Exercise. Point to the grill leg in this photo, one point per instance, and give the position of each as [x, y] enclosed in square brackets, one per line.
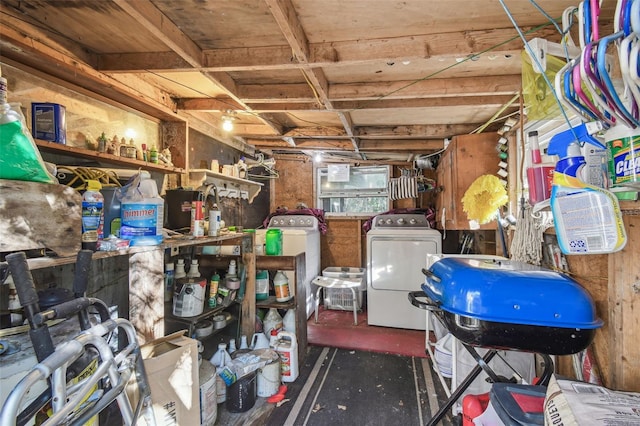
[548, 370]
[460, 389]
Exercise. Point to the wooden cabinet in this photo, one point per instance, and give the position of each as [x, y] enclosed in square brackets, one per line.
[466, 158]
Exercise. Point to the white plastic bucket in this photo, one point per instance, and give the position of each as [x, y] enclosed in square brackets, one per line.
[208, 394]
[268, 378]
[443, 355]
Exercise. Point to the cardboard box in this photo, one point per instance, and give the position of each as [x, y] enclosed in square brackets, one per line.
[48, 122]
[171, 364]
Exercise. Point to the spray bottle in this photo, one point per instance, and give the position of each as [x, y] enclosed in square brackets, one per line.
[539, 175]
[587, 218]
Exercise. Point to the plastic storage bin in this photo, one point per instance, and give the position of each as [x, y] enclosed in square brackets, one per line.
[341, 299]
[521, 405]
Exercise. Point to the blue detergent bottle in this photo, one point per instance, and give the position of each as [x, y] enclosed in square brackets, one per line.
[587, 218]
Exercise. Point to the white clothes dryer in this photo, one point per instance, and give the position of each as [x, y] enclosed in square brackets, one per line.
[397, 248]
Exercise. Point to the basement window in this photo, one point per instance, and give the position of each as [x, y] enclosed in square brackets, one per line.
[357, 190]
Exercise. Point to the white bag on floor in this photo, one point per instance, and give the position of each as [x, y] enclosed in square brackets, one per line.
[488, 418]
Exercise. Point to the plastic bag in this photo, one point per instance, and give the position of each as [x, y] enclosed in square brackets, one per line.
[139, 187]
[539, 98]
[20, 159]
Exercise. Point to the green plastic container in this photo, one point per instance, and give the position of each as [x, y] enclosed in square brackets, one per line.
[262, 285]
[273, 242]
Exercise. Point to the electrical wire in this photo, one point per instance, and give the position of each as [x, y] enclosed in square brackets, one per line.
[535, 58]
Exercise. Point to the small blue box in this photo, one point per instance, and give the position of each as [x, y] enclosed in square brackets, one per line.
[48, 122]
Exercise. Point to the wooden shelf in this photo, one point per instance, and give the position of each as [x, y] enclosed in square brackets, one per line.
[298, 302]
[198, 177]
[271, 302]
[176, 242]
[57, 148]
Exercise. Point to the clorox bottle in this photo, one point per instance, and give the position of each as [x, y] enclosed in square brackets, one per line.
[587, 218]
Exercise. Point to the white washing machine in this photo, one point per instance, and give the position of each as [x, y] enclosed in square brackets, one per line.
[397, 246]
[300, 233]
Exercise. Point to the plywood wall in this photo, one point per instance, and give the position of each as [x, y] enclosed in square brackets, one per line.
[342, 245]
[294, 185]
[613, 281]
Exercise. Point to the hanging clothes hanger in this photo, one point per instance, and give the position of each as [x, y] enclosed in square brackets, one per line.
[581, 96]
[593, 84]
[624, 114]
[564, 87]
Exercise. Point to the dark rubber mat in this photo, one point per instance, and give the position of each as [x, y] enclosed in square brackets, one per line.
[348, 387]
[367, 388]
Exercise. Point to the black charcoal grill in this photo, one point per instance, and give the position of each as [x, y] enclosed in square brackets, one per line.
[502, 304]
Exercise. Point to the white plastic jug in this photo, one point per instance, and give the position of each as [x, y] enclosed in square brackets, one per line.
[287, 348]
[271, 320]
[259, 341]
[289, 321]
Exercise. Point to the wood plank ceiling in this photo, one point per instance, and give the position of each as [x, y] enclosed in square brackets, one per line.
[358, 80]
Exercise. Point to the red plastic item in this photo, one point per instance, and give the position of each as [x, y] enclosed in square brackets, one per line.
[282, 390]
[473, 406]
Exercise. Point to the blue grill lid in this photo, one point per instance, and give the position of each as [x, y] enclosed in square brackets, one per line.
[509, 292]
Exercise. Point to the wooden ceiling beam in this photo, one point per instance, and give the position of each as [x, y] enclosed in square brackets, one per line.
[428, 88]
[209, 104]
[285, 15]
[222, 104]
[325, 144]
[402, 145]
[25, 51]
[431, 131]
[152, 19]
[399, 145]
[322, 132]
[62, 45]
[380, 133]
[436, 87]
[500, 41]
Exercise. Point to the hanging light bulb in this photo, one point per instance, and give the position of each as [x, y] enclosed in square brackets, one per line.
[227, 124]
[227, 120]
[318, 157]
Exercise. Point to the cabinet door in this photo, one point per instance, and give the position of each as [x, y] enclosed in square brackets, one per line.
[466, 158]
[446, 208]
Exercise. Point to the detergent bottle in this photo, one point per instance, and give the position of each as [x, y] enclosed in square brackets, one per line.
[587, 218]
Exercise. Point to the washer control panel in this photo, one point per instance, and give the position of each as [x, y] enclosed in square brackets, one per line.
[294, 221]
[400, 220]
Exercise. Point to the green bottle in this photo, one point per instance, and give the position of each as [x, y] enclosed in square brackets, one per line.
[153, 155]
[213, 290]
